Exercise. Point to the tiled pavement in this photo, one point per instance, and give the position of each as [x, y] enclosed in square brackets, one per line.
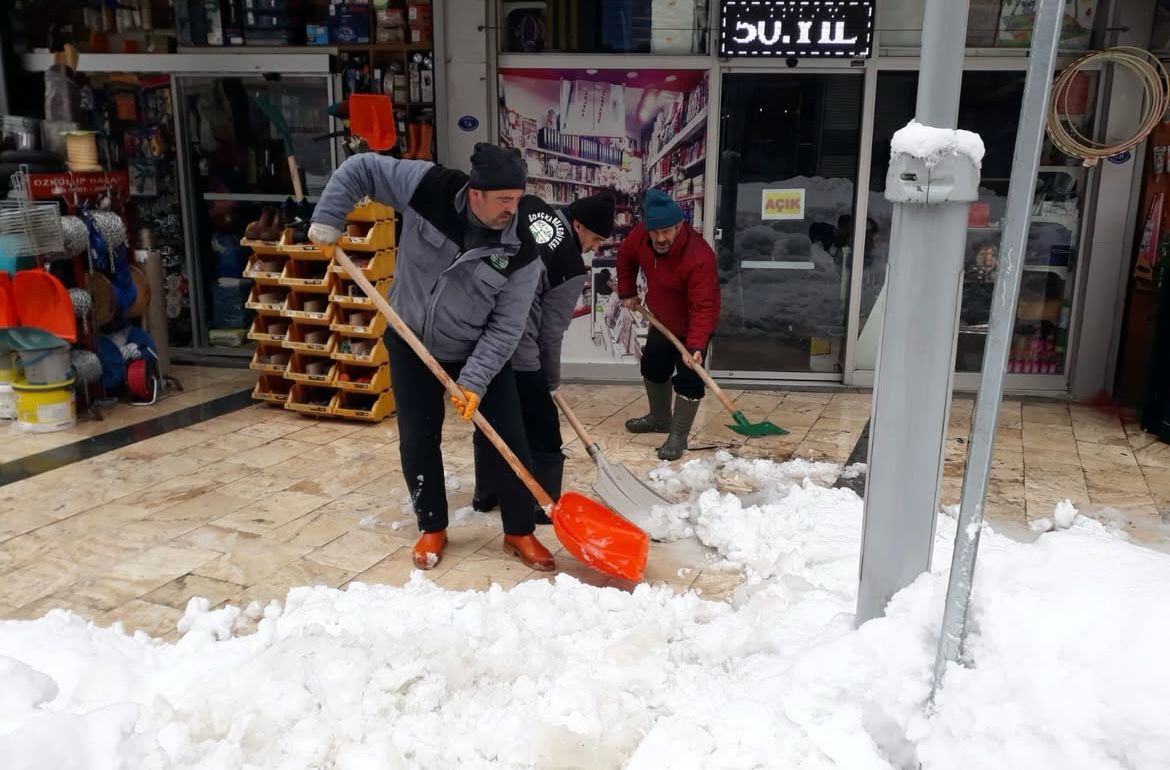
[249, 504]
[200, 385]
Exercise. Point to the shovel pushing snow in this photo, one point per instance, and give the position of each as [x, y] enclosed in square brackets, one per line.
[616, 485]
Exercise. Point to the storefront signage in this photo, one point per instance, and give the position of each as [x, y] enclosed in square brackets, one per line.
[796, 28]
[468, 123]
[82, 184]
[782, 204]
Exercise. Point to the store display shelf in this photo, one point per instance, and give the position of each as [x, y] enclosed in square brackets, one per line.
[566, 156]
[574, 182]
[1059, 270]
[253, 197]
[694, 197]
[690, 129]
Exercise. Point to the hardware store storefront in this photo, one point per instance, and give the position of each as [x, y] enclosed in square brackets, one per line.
[770, 124]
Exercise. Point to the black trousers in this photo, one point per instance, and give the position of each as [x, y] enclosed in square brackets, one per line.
[542, 426]
[421, 402]
[661, 359]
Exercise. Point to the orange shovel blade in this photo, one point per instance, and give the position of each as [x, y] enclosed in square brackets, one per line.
[371, 116]
[600, 538]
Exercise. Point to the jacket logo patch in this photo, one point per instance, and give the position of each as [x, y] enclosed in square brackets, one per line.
[499, 261]
[546, 229]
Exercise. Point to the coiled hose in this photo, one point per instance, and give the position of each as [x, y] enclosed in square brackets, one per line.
[1155, 82]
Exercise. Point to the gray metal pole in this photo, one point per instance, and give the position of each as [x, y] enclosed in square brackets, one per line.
[915, 363]
[1001, 327]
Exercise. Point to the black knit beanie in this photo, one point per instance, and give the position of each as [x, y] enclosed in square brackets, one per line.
[497, 168]
[595, 213]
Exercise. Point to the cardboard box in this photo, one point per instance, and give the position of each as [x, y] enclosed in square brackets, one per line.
[316, 34]
[391, 17]
[419, 14]
[421, 34]
[349, 24]
[427, 85]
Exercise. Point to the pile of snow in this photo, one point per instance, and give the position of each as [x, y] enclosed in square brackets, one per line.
[933, 144]
[1067, 667]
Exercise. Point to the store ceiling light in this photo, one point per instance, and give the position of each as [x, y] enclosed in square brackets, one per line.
[671, 78]
[631, 74]
[590, 72]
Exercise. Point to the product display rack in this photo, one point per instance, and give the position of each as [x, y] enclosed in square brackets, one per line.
[1041, 334]
[676, 152]
[319, 347]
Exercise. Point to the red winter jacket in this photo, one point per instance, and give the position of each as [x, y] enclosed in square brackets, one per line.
[682, 288]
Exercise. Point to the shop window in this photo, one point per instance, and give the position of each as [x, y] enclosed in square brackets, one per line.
[990, 23]
[990, 105]
[604, 26]
[608, 132]
[789, 146]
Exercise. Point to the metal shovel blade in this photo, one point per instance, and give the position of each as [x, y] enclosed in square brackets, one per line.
[745, 427]
[624, 492]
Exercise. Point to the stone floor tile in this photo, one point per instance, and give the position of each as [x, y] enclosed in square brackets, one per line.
[156, 620]
[272, 512]
[250, 561]
[497, 569]
[180, 591]
[396, 569]
[303, 572]
[1106, 455]
[356, 551]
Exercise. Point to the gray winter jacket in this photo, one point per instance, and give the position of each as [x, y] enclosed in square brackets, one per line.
[562, 277]
[469, 306]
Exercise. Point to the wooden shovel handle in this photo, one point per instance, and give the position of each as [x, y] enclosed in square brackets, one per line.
[416, 345]
[686, 356]
[295, 172]
[578, 428]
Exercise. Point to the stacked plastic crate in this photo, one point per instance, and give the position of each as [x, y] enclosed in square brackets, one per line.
[319, 339]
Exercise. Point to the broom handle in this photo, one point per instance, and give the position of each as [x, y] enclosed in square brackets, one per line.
[416, 345]
[578, 428]
[686, 356]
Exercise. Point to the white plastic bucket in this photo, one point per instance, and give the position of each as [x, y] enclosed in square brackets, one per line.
[45, 367]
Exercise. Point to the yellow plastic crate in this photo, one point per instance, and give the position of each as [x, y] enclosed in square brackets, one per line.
[261, 359]
[348, 295]
[310, 339]
[265, 269]
[269, 300]
[370, 211]
[349, 374]
[309, 308]
[363, 236]
[374, 325]
[268, 329]
[362, 406]
[311, 399]
[375, 268]
[272, 388]
[377, 356]
[314, 370]
[308, 277]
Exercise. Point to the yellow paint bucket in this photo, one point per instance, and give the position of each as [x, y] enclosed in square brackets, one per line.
[45, 408]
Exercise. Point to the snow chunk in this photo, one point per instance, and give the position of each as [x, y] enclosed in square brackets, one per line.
[24, 687]
[1064, 514]
[932, 144]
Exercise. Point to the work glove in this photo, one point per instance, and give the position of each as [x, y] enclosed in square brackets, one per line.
[467, 405]
[322, 234]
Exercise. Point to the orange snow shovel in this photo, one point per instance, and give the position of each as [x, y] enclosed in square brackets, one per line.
[594, 534]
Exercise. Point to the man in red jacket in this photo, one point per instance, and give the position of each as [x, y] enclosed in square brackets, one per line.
[682, 289]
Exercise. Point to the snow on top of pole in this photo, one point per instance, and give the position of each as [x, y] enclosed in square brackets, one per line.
[933, 144]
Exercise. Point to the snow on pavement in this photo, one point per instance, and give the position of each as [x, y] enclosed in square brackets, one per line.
[1066, 662]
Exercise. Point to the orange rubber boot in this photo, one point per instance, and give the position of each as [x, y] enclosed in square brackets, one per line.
[529, 550]
[429, 549]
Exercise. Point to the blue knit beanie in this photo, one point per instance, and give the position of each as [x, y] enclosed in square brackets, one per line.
[659, 210]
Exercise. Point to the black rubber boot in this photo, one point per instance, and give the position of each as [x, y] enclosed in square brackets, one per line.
[658, 421]
[482, 502]
[548, 468]
[685, 410]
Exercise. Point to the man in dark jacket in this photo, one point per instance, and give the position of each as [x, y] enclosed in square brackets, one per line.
[682, 290]
[582, 227]
[469, 259]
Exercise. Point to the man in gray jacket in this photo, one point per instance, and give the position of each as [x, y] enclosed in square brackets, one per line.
[468, 265]
[583, 227]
